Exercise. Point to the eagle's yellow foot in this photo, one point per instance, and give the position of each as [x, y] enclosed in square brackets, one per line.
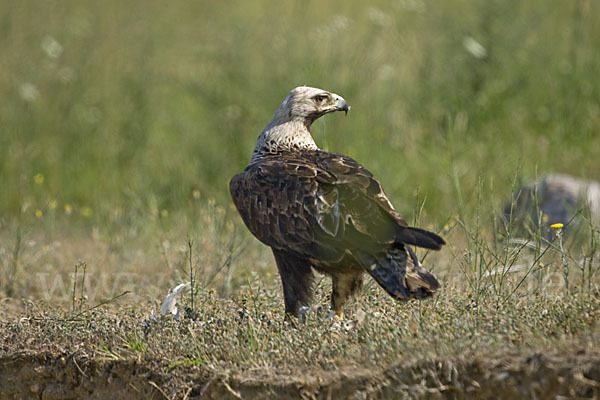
[336, 316]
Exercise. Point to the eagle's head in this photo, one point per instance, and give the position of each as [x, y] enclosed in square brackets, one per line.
[289, 129]
[307, 104]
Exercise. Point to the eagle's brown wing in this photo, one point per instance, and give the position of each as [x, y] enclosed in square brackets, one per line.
[315, 204]
[364, 199]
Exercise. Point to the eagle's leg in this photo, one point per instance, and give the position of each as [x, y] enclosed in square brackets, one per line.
[344, 286]
[296, 278]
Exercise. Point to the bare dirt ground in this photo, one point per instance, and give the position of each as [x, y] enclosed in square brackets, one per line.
[543, 374]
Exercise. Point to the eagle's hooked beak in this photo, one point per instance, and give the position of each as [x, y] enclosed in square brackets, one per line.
[341, 105]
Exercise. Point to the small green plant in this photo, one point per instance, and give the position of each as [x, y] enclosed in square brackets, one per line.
[11, 265]
[185, 362]
[135, 342]
[77, 305]
[192, 274]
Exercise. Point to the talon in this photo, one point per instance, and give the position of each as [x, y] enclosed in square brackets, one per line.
[336, 316]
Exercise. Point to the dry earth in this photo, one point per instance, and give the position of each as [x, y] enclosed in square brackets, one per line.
[569, 373]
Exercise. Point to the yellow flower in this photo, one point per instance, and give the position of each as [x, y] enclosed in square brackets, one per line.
[68, 209]
[196, 194]
[164, 213]
[38, 179]
[557, 225]
[85, 211]
[52, 204]
[38, 213]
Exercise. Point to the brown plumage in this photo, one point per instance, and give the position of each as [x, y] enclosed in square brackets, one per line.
[323, 210]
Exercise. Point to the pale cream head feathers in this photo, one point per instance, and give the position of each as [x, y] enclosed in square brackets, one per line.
[290, 127]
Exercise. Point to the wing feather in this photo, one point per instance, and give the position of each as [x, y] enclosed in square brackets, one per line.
[353, 175]
[318, 205]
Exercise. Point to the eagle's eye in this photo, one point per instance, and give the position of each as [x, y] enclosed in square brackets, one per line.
[320, 98]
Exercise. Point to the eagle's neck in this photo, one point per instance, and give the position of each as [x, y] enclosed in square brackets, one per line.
[280, 136]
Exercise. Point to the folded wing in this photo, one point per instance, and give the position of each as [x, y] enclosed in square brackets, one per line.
[319, 205]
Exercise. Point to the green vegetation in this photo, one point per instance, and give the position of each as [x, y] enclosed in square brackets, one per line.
[122, 123]
[133, 107]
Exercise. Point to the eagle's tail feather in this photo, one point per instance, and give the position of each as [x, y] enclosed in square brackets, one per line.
[419, 237]
[401, 276]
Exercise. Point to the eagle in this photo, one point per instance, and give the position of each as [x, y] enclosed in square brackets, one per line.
[326, 212]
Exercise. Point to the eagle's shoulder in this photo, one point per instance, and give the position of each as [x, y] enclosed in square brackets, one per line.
[284, 165]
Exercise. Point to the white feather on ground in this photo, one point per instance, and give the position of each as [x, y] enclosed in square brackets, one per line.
[168, 305]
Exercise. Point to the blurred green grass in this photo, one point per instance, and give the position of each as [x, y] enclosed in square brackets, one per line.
[130, 108]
